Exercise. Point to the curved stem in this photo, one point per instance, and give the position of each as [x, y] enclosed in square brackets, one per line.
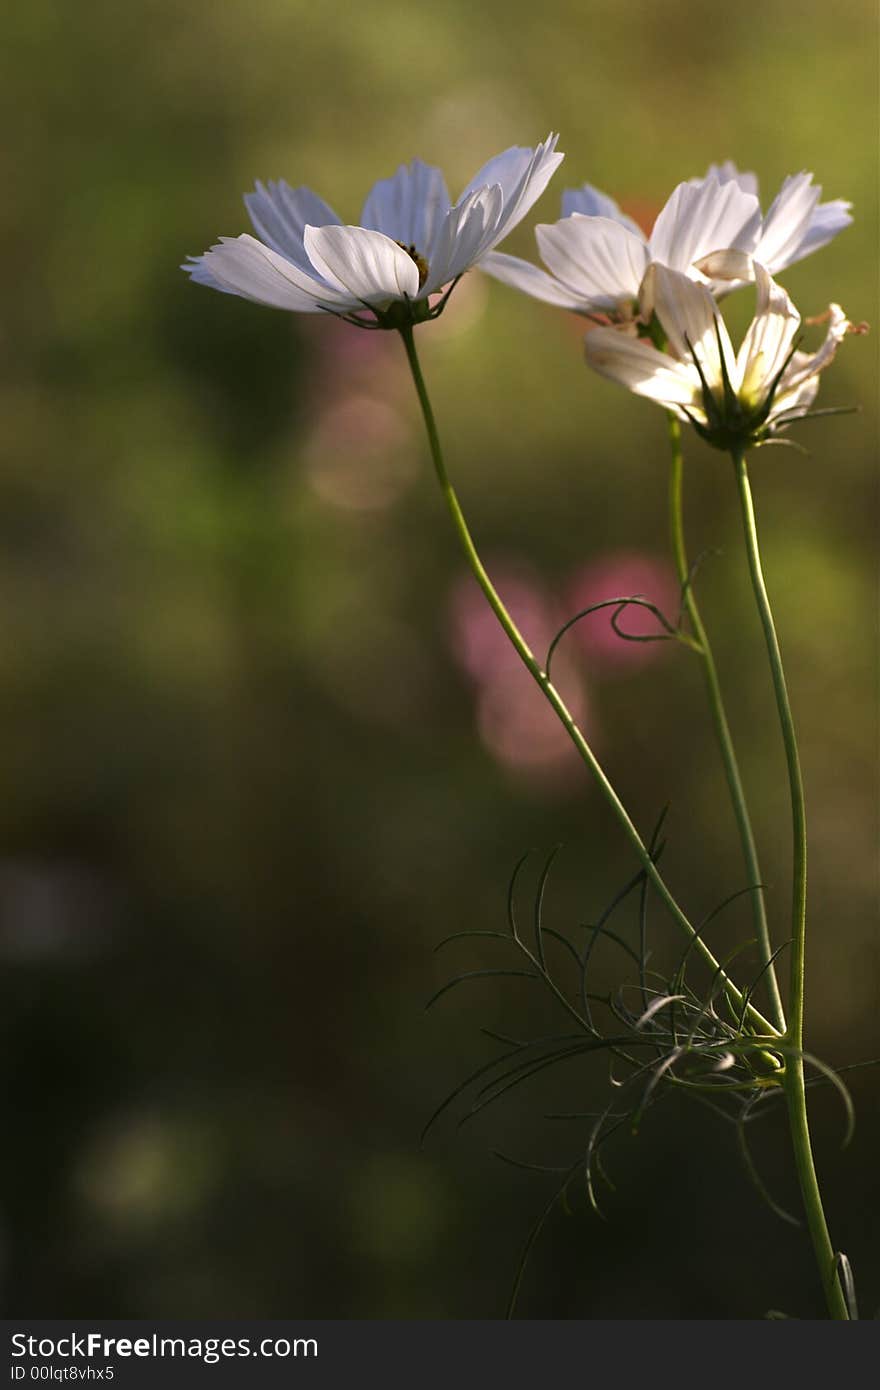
[795, 1091]
[719, 720]
[551, 694]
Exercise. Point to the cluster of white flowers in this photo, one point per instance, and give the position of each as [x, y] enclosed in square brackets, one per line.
[654, 299]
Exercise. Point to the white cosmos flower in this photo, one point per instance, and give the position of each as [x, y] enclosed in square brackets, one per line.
[796, 223]
[597, 256]
[733, 399]
[411, 242]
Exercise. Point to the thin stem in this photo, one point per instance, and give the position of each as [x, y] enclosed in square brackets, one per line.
[551, 694]
[795, 1091]
[719, 720]
[795, 779]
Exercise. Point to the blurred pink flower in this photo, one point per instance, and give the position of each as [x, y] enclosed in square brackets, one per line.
[520, 729]
[358, 456]
[515, 723]
[478, 643]
[342, 362]
[621, 574]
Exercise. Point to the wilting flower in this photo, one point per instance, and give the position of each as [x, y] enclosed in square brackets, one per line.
[411, 242]
[598, 257]
[733, 400]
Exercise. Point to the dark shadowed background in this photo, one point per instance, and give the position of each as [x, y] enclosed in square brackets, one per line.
[259, 750]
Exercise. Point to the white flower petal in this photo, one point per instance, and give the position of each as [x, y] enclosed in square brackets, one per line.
[727, 173]
[691, 322]
[506, 169]
[736, 266]
[796, 223]
[828, 219]
[639, 367]
[590, 202]
[242, 265]
[468, 231]
[409, 207]
[199, 273]
[787, 223]
[769, 339]
[363, 264]
[522, 275]
[703, 217]
[280, 215]
[806, 364]
[792, 402]
[522, 175]
[597, 259]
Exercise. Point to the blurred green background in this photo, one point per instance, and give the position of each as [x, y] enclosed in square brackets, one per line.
[248, 778]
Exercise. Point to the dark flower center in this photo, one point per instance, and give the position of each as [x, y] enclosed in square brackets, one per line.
[420, 263]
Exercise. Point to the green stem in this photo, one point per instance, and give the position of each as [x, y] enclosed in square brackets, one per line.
[719, 720]
[794, 1070]
[552, 695]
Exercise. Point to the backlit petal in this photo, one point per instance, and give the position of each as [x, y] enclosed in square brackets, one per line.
[590, 202]
[280, 215]
[769, 339]
[468, 231]
[735, 266]
[827, 220]
[506, 169]
[690, 320]
[597, 259]
[242, 265]
[522, 275]
[793, 401]
[199, 273]
[522, 175]
[363, 264]
[805, 364]
[639, 367]
[788, 222]
[409, 207]
[704, 217]
[727, 173]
